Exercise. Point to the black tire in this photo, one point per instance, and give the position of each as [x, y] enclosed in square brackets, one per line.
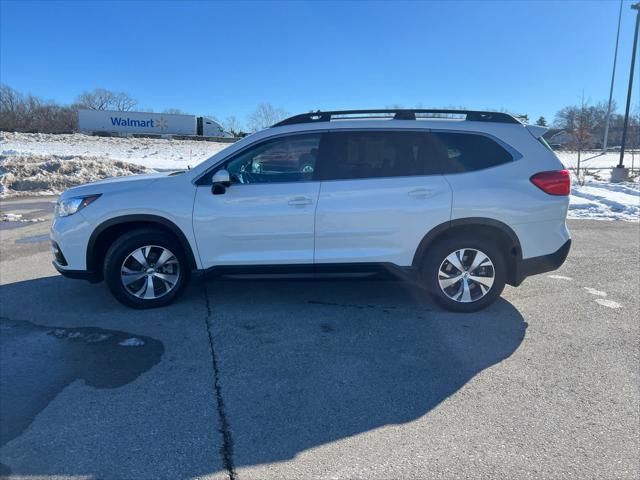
[128, 243]
[437, 254]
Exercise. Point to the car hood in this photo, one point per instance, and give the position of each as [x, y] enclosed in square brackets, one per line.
[114, 184]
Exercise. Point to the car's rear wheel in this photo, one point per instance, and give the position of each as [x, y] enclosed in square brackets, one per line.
[146, 268]
[464, 274]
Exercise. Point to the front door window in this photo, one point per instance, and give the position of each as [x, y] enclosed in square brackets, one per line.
[282, 160]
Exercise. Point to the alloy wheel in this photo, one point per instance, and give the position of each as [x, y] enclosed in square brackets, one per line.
[150, 272]
[466, 275]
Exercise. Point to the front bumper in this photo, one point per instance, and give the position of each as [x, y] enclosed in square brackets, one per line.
[75, 274]
[70, 235]
[545, 263]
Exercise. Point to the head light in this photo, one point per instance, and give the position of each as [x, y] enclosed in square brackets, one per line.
[67, 207]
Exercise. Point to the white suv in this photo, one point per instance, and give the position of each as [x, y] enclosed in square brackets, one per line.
[461, 201]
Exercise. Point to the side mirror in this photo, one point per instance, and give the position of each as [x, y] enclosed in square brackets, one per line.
[221, 176]
[220, 181]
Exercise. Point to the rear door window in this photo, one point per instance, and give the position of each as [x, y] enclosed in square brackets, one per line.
[466, 152]
[376, 154]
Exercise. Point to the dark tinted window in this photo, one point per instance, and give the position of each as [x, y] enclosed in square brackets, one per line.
[375, 154]
[286, 159]
[465, 152]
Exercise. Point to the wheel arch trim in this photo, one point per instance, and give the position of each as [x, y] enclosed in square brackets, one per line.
[443, 228]
[177, 231]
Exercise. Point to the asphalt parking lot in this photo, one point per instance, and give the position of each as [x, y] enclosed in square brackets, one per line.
[321, 379]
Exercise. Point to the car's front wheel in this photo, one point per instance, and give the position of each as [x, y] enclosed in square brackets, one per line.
[146, 268]
[464, 274]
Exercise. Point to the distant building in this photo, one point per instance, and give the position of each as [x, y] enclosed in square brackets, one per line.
[558, 138]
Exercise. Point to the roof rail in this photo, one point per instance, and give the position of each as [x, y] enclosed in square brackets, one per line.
[398, 114]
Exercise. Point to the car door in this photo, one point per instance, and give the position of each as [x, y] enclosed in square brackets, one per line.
[266, 215]
[381, 193]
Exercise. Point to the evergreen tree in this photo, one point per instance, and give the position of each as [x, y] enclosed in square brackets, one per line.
[541, 121]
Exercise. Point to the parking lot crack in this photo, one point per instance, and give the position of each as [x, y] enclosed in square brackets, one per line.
[227, 440]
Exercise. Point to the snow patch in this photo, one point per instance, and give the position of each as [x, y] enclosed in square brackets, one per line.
[131, 342]
[63, 333]
[17, 217]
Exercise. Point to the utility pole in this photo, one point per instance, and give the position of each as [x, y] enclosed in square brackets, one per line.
[636, 7]
[613, 77]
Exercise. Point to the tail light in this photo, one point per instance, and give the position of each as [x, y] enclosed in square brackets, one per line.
[556, 182]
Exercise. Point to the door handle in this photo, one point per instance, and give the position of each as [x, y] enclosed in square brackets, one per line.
[420, 193]
[300, 201]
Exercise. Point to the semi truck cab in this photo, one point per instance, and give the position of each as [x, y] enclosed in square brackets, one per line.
[208, 127]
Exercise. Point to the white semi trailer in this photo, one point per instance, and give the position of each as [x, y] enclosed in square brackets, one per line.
[148, 123]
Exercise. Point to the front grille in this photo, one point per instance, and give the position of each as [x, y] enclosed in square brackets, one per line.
[57, 254]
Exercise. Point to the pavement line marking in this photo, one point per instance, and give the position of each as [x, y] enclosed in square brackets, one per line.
[595, 292]
[608, 303]
[560, 277]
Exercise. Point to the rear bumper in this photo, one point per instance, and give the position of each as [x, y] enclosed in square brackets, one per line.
[542, 264]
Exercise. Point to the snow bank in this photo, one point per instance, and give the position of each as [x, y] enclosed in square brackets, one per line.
[604, 200]
[155, 153]
[597, 197]
[595, 159]
[41, 163]
[52, 174]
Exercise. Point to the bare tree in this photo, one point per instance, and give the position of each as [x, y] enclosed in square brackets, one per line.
[566, 118]
[264, 116]
[594, 117]
[33, 114]
[99, 99]
[124, 102]
[232, 125]
[9, 98]
[174, 111]
[12, 108]
[580, 127]
[102, 99]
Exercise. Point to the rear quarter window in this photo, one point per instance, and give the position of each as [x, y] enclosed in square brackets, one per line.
[467, 152]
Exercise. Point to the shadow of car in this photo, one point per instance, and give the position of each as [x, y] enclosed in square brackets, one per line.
[300, 364]
[303, 364]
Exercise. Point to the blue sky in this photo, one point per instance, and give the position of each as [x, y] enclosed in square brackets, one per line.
[225, 58]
